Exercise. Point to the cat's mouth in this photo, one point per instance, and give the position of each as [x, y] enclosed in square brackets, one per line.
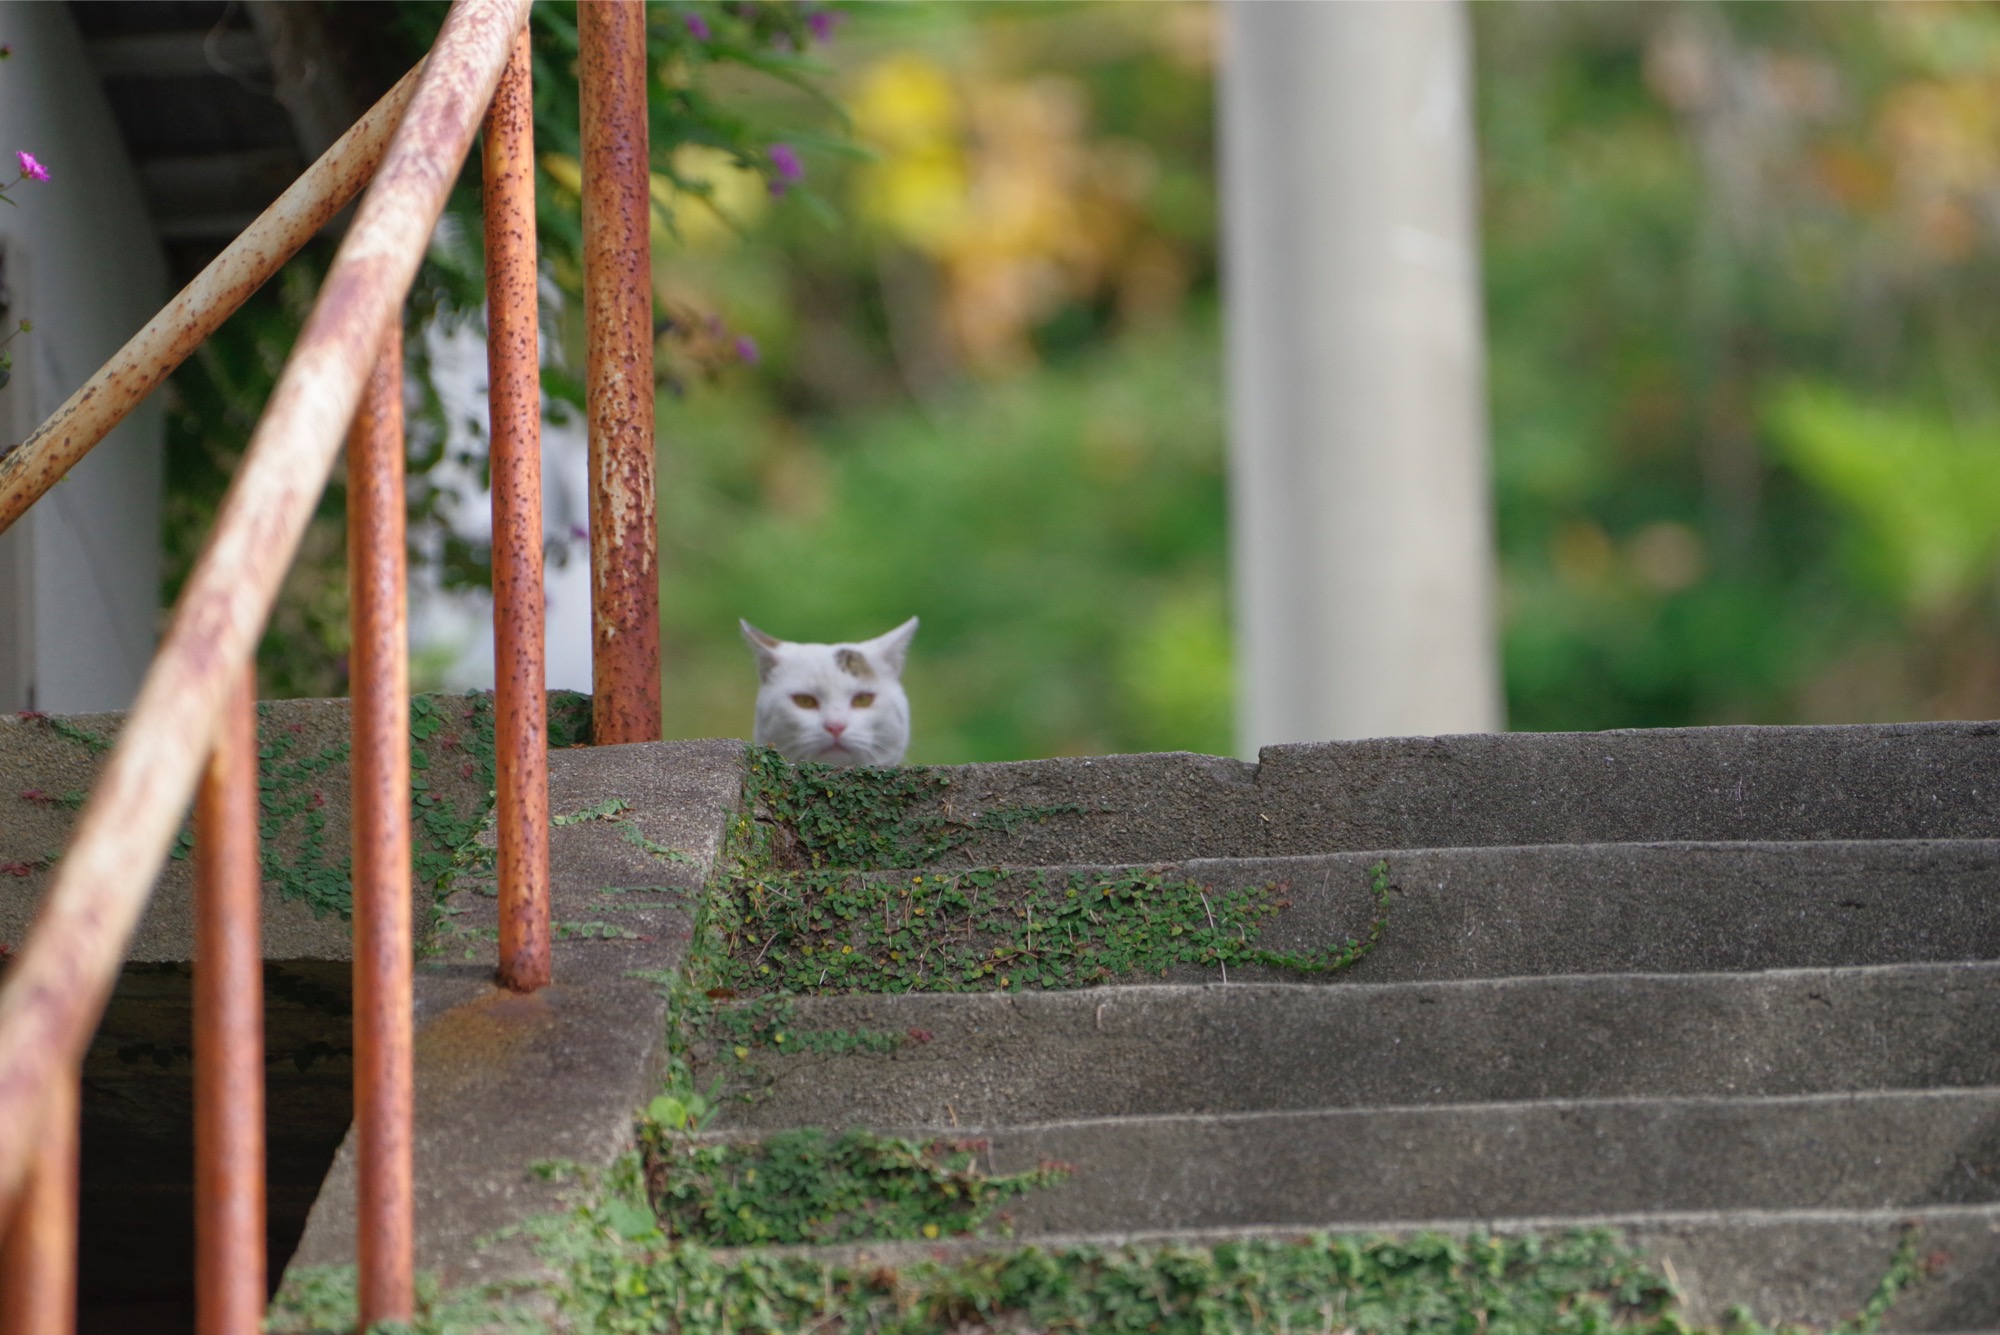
[839, 753]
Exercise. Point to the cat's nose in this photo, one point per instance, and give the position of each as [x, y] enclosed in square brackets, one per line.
[835, 728]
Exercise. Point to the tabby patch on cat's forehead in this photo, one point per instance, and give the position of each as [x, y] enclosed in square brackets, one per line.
[854, 662]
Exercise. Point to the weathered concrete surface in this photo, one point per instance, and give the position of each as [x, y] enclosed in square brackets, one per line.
[1892, 781]
[991, 1058]
[44, 761]
[1895, 1150]
[1658, 908]
[1809, 1266]
[505, 1081]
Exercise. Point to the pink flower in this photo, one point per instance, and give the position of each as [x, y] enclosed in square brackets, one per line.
[746, 349]
[822, 22]
[786, 159]
[31, 169]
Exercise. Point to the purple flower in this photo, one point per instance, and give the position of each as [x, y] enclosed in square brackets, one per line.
[786, 159]
[35, 171]
[578, 533]
[823, 22]
[698, 26]
[746, 349]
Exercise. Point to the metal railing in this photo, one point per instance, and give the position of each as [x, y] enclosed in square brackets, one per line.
[192, 731]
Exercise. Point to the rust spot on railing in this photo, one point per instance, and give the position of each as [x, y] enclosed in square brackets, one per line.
[618, 319]
[514, 378]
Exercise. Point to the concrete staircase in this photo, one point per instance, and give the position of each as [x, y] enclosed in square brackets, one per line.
[1735, 991]
[1731, 990]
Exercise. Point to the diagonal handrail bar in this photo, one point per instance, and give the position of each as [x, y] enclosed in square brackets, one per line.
[58, 986]
[29, 469]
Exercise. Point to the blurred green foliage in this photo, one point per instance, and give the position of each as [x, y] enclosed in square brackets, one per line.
[1738, 266]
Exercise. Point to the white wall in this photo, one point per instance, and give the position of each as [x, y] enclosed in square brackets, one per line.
[80, 572]
[1360, 513]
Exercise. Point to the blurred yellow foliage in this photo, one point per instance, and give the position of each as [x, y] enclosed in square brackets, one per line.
[723, 199]
[996, 181]
[735, 197]
[1940, 130]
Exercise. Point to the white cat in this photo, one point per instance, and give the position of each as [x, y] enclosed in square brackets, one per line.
[833, 704]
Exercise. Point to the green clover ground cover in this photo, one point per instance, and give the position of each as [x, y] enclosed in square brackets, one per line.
[614, 1273]
[990, 927]
[446, 732]
[804, 914]
[811, 1186]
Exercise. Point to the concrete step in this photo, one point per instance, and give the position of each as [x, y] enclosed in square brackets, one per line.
[1897, 781]
[1874, 1151]
[1814, 1267]
[1552, 909]
[986, 1059]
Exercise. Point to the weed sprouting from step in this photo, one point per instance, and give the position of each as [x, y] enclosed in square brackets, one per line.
[993, 927]
[609, 809]
[772, 1021]
[863, 819]
[812, 1186]
[94, 742]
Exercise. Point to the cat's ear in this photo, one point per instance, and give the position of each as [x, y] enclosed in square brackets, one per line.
[890, 650]
[764, 646]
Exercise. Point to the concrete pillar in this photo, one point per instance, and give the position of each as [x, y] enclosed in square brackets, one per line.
[1360, 505]
[80, 572]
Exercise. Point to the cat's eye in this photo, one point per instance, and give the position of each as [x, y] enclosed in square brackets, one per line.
[806, 701]
[865, 699]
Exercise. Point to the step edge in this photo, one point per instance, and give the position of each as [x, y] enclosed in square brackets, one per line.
[1930, 1093]
[1495, 1225]
[1711, 977]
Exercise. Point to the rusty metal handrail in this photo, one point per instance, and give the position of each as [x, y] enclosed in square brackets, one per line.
[618, 371]
[198, 310]
[380, 818]
[229, 1201]
[58, 986]
[514, 381]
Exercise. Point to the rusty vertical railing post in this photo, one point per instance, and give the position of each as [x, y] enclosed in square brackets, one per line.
[229, 1267]
[618, 319]
[38, 1250]
[381, 816]
[513, 361]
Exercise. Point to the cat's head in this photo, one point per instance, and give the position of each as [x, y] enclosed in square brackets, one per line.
[833, 704]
